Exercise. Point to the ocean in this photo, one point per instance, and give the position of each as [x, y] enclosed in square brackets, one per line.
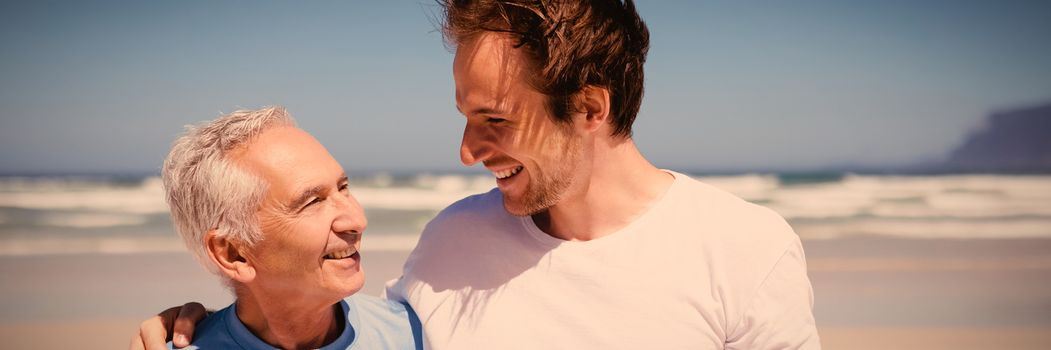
[51, 215]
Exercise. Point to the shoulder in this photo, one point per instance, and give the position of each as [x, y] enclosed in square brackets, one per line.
[725, 217]
[462, 238]
[372, 307]
[470, 209]
[742, 240]
[474, 222]
[212, 332]
[753, 254]
[384, 324]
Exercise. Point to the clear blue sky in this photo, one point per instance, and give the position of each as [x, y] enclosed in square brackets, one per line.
[105, 86]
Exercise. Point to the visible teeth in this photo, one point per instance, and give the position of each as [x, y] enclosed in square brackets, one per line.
[503, 174]
[341, 254]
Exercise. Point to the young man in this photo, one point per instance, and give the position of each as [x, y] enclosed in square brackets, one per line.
[263, 205]
[585, 244]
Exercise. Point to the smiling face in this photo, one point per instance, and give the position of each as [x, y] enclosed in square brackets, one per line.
[509, 127]
[311, 224]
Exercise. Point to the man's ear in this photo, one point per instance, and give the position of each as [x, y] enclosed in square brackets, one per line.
[593, 102]
[228, 256]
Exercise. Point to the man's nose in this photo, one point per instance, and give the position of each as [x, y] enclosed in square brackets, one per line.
[473, 147]
[351, 218]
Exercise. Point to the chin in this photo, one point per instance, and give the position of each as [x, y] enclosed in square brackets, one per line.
[532, 202]
[347, 286]
[355, 284]
[516, 208]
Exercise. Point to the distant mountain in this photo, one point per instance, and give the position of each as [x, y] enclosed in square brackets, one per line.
[1012, 141]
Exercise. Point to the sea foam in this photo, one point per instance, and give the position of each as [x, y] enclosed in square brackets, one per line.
[111, 216]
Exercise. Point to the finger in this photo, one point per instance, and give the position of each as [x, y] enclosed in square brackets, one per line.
[189, 315]
[156, 330]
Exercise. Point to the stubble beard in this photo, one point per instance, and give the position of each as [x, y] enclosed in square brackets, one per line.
[547, 187]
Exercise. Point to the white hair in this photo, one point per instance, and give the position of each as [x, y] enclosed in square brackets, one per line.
[205, 190]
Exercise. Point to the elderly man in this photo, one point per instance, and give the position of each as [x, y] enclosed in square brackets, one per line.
[263, 204]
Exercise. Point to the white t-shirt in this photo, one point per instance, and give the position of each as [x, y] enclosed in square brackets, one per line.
[701, 269]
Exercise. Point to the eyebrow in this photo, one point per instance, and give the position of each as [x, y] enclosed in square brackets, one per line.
[295, 204]
[480, 110]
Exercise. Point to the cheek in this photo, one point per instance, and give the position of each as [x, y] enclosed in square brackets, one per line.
[534, 134]
[314, 233]
[504, 138]
[555, 145]
[292, 259]
[298, 247]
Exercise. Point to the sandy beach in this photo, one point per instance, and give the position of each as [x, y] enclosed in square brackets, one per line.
[871, 293]
[878, 293]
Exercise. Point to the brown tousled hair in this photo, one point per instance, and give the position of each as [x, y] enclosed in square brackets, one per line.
[569, 43]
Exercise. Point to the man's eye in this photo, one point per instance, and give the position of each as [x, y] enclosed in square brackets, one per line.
[344, 187]
[313, 201]
[495, 120]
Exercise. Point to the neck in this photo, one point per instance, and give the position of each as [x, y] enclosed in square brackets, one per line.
[289, 324]
[619, 186]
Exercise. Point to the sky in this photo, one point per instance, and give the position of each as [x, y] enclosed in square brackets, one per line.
[106, 86]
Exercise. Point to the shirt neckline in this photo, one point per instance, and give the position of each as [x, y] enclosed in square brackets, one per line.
[246, 339]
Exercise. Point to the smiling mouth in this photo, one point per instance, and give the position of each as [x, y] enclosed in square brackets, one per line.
[342, 254]
[503, 174]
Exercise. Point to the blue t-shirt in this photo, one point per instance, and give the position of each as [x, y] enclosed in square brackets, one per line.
[371, 323]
